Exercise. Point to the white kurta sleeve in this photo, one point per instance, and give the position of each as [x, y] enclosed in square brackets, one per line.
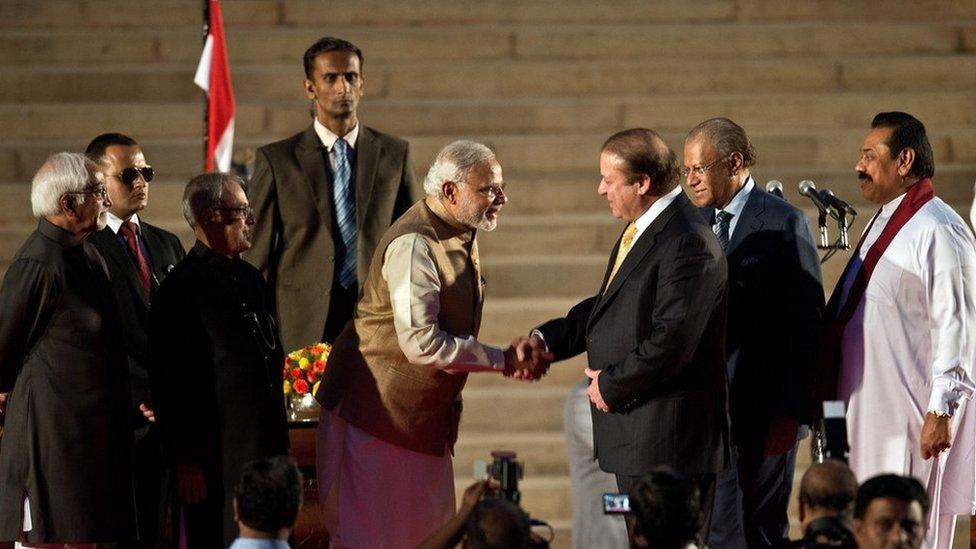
[949, 275]
[411, 275]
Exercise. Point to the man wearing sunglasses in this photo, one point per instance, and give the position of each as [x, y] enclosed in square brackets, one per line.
[139, 256]
[66, 449]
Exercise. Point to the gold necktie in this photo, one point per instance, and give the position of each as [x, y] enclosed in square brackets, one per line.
[625, 243]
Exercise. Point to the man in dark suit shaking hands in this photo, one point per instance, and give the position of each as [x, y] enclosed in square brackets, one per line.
[775, 304]
[138, 256]
[654, 332]
[323, 198]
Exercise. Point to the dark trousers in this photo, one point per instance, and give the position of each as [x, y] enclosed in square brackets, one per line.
[342, 308]
[706, 492]
[751, 500]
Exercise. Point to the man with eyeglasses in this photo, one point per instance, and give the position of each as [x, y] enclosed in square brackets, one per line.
[323, 199]
[139, 256]
[66, 447]
[775, 304]
[391, 395]
[216, 361]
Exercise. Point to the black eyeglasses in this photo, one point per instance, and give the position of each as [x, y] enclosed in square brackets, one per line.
[242, 212]
[129, 175]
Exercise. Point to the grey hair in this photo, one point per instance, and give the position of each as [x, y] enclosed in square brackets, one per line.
[204, 192]
[60, 174]
[453, 164]
[727, 137]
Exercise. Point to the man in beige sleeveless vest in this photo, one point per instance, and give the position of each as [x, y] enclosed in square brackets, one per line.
[391, 393]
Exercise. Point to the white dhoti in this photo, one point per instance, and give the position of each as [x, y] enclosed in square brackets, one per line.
[375, 494]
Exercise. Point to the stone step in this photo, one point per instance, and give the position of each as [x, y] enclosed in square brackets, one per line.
[758, 113]
[250, 45]
[550, 78]
[551, 152]
[518, 408]
[71, 14]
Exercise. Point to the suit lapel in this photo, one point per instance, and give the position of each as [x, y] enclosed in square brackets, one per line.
[311, 157]
[368, 151]
[750, 219]
[645, 242]
[113, 252]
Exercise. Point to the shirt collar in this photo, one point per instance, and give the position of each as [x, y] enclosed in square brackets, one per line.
[648, 217]
[738, 202]
[328, 138]
[115, 222]
[888, 209]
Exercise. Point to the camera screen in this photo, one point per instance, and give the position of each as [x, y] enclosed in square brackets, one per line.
[616, 504]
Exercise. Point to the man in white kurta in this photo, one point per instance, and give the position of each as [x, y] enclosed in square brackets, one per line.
[909, 348]
[390, 479]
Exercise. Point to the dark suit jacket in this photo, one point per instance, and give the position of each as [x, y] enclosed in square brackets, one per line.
[658, 336]
[775, 304]
[67, 442]
[295, 234]
[216, 371]
[165, 251]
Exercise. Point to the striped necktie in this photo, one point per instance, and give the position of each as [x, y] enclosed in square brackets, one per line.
[345, 205]
[721, 227]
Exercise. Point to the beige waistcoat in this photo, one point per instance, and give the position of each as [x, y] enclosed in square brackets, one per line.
[414, 406]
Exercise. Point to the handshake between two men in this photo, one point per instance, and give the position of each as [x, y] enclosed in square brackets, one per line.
[527, 358]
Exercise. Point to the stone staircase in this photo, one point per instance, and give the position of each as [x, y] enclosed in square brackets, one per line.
[542, 82]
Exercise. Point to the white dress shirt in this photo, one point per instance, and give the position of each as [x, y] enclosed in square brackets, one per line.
[737, 204]
[115, 222]
[328, 139]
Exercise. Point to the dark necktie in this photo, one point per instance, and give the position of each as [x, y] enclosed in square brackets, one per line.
[721, 228]
[345, 204]
[128, 230]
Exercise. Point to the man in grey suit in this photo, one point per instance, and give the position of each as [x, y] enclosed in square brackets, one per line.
[66, 450]
[322, 199]
[775, 305]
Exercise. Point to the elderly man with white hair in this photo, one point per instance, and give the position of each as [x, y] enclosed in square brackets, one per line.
[66, 449]
[391, 394]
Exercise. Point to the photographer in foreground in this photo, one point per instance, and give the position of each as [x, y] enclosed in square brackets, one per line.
[666, 507]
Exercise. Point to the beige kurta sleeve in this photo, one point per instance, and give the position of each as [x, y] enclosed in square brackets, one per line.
[411, 275]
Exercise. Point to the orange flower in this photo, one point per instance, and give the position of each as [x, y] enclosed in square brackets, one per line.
[318, 366]
[311, 375]
[300, 386]
[287, 361]
[296, 373]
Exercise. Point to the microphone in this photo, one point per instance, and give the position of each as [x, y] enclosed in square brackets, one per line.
[809, 190]
[837, 203]
[774, 187]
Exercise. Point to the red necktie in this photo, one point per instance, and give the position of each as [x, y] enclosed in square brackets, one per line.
[128, 230]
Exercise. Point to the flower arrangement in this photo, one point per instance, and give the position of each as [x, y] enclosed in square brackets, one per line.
[303, 373]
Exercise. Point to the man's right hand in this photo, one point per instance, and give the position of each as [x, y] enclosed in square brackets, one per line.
[527, 358]
[191, 485]
[3, 403]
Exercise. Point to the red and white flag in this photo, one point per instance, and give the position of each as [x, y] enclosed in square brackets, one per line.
[213, 75]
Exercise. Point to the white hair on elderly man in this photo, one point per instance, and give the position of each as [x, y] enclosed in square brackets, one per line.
[60, 174]
[453, 164]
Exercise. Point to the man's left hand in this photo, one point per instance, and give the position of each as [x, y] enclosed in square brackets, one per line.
[593, 391]
[936, 437]
[781, 436]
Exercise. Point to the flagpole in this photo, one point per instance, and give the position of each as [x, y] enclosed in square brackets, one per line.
[206, 99]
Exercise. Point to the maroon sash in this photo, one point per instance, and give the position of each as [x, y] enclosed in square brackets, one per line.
[836, 320]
